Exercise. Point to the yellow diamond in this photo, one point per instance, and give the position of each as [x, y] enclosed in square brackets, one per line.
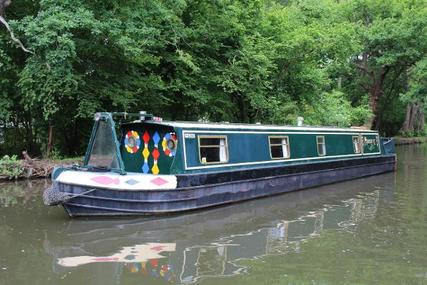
[145, 153]
[164, 144]
[155, 169]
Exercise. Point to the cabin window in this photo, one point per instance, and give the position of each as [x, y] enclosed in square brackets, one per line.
[321, 146]
[213, 149]
[279, 147]
[357, 145]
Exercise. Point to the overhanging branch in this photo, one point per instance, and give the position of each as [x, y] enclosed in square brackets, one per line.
[3, 5]
[12, 35]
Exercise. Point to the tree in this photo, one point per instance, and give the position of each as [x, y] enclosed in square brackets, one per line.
[227, 60]
[394, 38]
[416, 98]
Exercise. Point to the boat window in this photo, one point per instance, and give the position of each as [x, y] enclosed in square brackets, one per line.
[357, 145]
[213, 149]
[279, 147]
[104, 150]
[321, 146]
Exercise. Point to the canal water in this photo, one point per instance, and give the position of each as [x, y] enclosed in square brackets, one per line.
[367, 231]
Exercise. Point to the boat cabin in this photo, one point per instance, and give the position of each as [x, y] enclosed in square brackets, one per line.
[149, 145]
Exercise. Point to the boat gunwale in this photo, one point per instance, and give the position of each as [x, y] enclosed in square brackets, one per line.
[126, 212]
[358, 157]
[196, 187]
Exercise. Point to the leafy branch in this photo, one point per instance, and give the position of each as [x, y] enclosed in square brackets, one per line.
[3, 5]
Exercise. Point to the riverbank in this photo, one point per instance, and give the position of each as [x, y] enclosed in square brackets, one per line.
[414, 140]
[12, 168]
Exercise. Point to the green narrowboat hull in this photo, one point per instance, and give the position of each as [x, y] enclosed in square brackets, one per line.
[166, 167]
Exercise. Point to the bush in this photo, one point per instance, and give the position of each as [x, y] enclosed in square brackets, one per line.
[333, 109]
[11, 167]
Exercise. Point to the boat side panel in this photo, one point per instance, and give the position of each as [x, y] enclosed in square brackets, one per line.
[251, 149]
[206, 178]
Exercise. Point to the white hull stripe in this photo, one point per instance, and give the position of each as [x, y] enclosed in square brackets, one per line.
[115, 181]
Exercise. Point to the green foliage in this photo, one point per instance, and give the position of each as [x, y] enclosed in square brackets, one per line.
[11, 167]
[417, 91]
[227, 60]
[393, 36]
[333, 109]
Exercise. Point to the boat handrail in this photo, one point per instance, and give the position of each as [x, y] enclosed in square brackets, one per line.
[387, 140]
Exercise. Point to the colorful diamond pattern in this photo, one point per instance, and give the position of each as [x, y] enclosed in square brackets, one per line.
[155, 169]
[145, 153]
[159, 181]
[145, 168]
[146, 137]
[155, 154]
[132, 181]
[156, 139]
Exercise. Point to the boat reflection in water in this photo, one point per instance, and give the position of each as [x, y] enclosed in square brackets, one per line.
[186, 248]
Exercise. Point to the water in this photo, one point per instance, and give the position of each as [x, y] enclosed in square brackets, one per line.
[366, 231]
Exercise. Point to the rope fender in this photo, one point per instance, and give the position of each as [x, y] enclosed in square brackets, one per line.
[52, 196]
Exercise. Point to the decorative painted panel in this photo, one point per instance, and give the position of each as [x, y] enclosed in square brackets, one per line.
[153, 156]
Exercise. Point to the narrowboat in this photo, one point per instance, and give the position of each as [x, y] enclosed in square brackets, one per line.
[143, 165]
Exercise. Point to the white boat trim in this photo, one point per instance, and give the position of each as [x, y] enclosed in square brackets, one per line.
[115, 181]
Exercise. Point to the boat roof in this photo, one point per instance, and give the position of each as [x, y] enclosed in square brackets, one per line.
[238, 126]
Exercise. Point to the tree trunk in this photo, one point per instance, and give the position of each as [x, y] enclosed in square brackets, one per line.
[422, 122]
[414, 119]
[405, 126]
[243, 110]
[375, 93]
[50, 140]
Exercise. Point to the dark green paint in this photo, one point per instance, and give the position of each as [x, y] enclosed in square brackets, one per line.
[255, 148]
[244, 146]
[134, 161]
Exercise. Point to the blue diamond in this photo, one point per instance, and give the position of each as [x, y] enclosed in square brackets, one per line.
[145, 168]
[132, 182]
[156, 138]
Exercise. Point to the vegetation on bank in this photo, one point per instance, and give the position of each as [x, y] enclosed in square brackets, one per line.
[348, 62]
[13, 168]
[409, 140]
